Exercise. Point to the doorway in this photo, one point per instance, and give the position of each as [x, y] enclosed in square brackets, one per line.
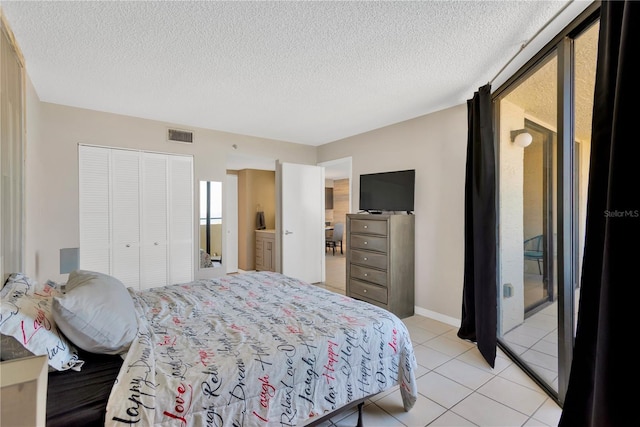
[261, 193]
[338, 188]
[254, 193]
[538, 193]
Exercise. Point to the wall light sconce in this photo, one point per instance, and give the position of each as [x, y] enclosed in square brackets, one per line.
[521, 138]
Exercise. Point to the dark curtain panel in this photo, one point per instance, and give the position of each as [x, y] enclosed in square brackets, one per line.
[479, 304]
[600, 391]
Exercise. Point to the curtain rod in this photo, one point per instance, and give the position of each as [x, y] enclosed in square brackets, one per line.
[526, 43]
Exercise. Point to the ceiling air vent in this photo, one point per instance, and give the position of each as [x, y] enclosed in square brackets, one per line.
[178, 135]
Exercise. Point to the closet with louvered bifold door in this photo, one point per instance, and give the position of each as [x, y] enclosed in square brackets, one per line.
[136, 215]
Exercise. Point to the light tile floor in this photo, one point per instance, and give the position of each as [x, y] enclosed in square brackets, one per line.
[536, 340]
[456, 386]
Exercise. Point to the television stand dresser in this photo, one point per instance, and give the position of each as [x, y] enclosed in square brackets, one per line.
[380, 261]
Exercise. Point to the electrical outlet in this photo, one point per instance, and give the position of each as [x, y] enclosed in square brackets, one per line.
[507, 290]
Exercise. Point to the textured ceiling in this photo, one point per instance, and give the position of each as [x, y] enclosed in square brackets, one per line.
[305, 71]
[537, 94]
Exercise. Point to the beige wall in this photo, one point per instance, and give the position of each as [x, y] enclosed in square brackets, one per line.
[52, 168]
[34, 172]
[435, 146]
[256, 191]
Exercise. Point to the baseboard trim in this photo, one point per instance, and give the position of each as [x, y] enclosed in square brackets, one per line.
[437, 316]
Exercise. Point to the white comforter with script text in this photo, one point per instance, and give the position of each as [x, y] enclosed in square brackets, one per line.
[256, 349]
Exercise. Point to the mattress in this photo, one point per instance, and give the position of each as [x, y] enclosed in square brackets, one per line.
[79, 398]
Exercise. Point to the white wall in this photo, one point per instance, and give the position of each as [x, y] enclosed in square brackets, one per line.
[52, 168]
[435, 146]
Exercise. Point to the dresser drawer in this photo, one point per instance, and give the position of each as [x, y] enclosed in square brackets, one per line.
[368, 290]
[259, 245]
[371, 243]
[369, 274]
[369, 226]
[370, 259]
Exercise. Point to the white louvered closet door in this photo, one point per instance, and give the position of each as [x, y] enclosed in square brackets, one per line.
[154, 224]
[136, 216]
[181, 245]
[95, 232]
[125, 216]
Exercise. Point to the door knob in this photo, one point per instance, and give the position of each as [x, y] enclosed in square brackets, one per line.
[288, 232]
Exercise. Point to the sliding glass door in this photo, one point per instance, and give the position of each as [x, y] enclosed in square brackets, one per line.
[542, 199]
[528, 187]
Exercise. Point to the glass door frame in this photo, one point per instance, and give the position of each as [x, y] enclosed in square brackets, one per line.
[548, 279]
[566, 243]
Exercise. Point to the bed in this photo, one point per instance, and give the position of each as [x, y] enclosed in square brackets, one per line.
[254, 349]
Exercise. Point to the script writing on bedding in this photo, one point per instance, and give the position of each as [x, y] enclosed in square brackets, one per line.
[256, 349]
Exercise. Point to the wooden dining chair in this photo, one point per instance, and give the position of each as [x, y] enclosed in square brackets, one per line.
[336, 238]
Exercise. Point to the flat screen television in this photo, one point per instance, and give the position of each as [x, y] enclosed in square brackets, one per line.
[387, 191]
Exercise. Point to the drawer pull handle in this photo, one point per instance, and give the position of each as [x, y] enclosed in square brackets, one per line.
[365, 291]
[365, 242]
[365, 274]
[366, 226]
[128, 245]
[365, 258]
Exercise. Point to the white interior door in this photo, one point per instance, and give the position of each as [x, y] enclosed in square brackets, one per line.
[125, 217]
[300, 222]
[230, 219]
[153, 226]
[94, 199]
[181, 216]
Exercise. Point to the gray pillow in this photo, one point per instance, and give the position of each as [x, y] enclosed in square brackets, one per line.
[96, 313]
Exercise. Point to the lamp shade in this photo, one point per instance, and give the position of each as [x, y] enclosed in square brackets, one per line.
[521, 138]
